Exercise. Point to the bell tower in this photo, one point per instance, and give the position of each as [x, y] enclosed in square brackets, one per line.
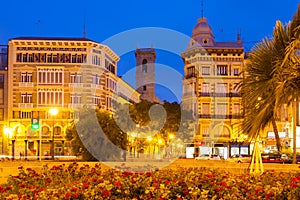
[145, 76]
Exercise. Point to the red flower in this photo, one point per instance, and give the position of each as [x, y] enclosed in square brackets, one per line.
[148, 174]
[185, 191]
[269, 195]
[74, 189]
[68, 194]
[224, 184]
[208, 175]
[118, 184]
[105, 194]
[85, 185]
[94, 179]
[75, 195]
[31, 186]
[167, 182]
[259, 190]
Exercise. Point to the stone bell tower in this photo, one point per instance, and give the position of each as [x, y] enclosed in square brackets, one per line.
[145, 76]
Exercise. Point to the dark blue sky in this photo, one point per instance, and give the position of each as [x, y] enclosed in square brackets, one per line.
[105, 19]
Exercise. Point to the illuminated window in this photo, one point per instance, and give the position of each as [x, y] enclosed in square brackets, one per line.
[26, 98]
[222, 70]
[50, 97]
[96, 100]
[205, 71]
[222, 88]
[236, 109]
[26, 77]
[96, 79]
[221, 109]
[75, 78]
[206, 109]
[235, 71]
[205, 88]
[205, 131]
[76, 98]
[50, 76]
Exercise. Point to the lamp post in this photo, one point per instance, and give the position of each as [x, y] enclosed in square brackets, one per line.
[53, 112]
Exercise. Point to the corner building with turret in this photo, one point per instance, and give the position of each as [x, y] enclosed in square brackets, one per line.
[212, 71]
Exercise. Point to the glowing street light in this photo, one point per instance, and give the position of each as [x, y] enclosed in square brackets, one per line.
[53, 112]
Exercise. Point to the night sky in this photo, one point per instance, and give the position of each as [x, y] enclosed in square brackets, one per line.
[118, 23]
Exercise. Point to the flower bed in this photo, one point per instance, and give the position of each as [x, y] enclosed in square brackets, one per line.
[92, 182]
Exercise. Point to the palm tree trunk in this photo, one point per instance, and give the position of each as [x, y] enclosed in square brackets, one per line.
[278, 142]
[294, 130]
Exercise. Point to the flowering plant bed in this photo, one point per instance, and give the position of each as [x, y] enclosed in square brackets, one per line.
[92, 182]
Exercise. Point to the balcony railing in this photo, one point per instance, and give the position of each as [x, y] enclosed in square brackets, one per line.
[76, 85]
[219, 94]
[25, 105]
[97, 86]
[207, 116]
[191, 75]
[74, 105]
[25, 84]
[205, 94]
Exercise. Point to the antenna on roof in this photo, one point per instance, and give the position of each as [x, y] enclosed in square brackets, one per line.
[38, 27]
[239, 33]
[202, 9]
[84, 28]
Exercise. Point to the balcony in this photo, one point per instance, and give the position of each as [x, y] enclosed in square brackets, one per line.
[76, 85]
[74, 105]
[192, 75]
[204, 94]
[207, 116]
[25, 84]
[97, 86]
[25, 105]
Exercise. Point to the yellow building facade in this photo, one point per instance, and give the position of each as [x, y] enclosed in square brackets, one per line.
[212, 71]
[61, 73]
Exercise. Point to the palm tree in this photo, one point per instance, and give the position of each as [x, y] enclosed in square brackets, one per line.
[288, 70]
[258, 89]
[272, 79]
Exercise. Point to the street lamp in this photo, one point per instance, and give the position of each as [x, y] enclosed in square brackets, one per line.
[53, 112]
[5, 139]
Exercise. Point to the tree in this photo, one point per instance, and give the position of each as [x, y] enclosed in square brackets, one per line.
[96, 136]
[272, 78]
[288, 70]
[258, 88]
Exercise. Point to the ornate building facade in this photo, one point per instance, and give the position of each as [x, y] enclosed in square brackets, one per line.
[211, 72]
[61, 73]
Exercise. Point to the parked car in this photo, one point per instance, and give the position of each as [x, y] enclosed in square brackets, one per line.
[298, 158]
[272, 158]
[286, 158]
[239, 158]
[208, 157]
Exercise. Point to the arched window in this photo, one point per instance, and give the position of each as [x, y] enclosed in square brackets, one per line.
[144, 66]
[57, 130]
[45, 131]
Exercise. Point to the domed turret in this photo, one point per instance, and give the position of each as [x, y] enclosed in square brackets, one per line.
[202, 33]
